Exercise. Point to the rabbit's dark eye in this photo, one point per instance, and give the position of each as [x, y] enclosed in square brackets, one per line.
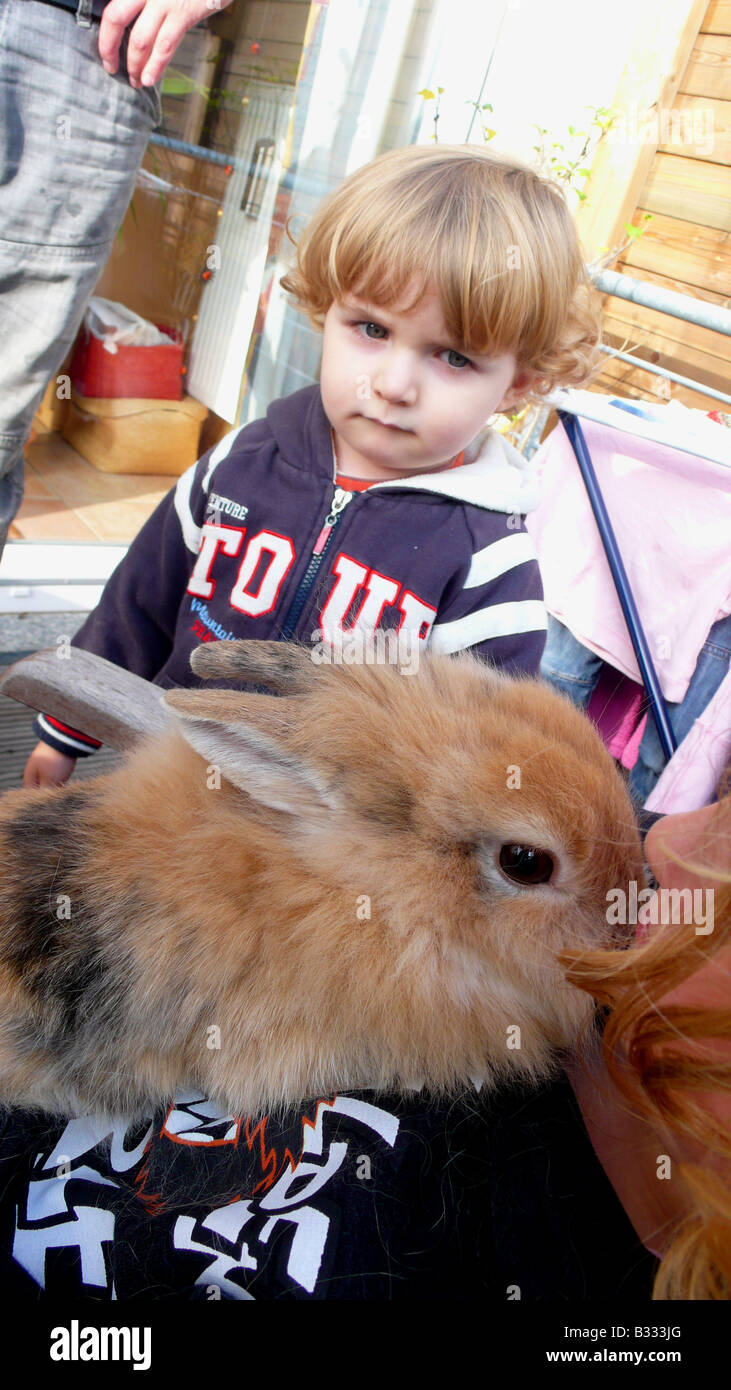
[524, 865]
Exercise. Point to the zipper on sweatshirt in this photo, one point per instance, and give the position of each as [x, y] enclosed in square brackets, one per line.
[341, 498]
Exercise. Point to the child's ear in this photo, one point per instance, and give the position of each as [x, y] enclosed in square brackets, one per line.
[515, 394]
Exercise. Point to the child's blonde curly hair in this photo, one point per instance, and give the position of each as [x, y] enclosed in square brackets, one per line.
[496, 240]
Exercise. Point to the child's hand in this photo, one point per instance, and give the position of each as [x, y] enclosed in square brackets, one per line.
[47, 768]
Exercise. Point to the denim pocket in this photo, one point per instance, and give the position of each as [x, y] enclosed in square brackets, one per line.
[148, 97]
[152, 102]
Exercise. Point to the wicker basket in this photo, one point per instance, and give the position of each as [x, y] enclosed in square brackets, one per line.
[133, 435]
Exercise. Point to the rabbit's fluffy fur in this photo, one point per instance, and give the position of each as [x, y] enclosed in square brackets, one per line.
[330, 913]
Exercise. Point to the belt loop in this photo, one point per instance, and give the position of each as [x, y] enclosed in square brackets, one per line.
[84, 13]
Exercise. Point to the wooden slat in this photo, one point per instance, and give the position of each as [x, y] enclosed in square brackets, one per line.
[687, 188]
[695, 256]
[645, 383]
[697, 128]
[685, 336]
[677, 357]
[626, 380]
[717, 19]
[708, 73]
[88, 693]
[663, 43]
[666, 282]
[692, 190]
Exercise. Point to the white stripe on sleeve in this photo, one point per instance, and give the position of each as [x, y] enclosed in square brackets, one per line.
[221, 451]
[499, 557]
[191, 531]
[74, 744]
[501, 620]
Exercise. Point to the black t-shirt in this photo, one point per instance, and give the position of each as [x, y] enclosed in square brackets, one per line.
[362, 1196]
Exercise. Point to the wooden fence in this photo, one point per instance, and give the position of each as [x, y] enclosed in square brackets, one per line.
[687, 188]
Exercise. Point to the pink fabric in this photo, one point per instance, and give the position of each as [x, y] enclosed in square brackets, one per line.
[615, 707]
[671, 514]
[632, 748]
[692, 776]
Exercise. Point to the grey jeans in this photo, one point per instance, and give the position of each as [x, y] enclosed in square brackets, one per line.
[71, 141]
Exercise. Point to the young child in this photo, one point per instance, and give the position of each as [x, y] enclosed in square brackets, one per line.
[449, 285]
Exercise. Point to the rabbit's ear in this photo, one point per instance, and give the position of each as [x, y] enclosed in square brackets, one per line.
[282, 667]
[245, 736]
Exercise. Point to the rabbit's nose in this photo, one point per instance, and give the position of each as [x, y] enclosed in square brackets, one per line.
[650, 877]
[645, 822]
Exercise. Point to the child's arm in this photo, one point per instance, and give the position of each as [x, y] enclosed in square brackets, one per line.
[134, 622]
[493, 606]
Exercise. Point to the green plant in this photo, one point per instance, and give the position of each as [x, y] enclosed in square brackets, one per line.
[428, 95]
[573, 171]
[487, 132]
[633, 234]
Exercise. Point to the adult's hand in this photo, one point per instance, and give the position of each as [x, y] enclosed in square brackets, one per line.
[626, 1144]
[704, 837]
[155, 35]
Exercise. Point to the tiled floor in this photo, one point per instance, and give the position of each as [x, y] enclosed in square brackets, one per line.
[67, 499]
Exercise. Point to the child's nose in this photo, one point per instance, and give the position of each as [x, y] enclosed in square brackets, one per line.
[396, 377]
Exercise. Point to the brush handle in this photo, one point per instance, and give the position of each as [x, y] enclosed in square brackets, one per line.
[90, 693]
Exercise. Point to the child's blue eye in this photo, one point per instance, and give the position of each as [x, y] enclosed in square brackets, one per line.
[366, 324]
[461, 362]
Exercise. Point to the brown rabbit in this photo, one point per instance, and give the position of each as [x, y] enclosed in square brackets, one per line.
[372, 893]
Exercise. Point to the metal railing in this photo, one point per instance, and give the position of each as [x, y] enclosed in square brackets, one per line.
[678, 306]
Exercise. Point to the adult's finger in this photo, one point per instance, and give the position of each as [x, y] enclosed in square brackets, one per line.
[154, 38]
[117, 14]
[155, 35]
[176, 18]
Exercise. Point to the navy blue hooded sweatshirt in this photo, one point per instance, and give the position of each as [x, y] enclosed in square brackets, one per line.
[258, 540]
